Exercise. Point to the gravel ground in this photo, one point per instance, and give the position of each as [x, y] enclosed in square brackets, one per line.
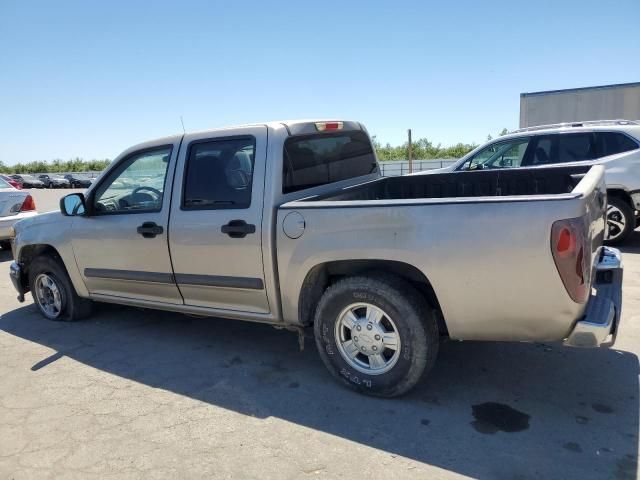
[141, 394]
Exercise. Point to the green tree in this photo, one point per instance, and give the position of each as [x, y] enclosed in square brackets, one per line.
[56, 166]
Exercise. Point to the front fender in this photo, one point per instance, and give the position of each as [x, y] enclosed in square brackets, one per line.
[49, 230]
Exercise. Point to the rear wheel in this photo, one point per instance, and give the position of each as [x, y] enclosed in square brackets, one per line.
[620, 220]
[53, 292]
[376, 334]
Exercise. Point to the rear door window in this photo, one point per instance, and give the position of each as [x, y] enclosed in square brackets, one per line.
[541, 153]
[575, 147]
[219, 174]
[612, 143]
[319, 159]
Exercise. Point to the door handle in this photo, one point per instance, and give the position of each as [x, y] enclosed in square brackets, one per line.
[150, 230]
[238, 228]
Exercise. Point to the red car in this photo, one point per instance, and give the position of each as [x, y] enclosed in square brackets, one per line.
[11, 182]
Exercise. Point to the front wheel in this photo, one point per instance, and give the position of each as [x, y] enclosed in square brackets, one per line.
[621, 221]
[376, 334]
[53, 292]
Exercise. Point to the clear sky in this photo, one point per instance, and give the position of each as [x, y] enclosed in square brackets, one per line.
[90, 78]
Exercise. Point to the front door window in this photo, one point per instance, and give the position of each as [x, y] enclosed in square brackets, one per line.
[136, 186]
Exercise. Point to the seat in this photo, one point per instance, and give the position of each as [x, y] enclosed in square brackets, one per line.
[540, 157]
[239, 170]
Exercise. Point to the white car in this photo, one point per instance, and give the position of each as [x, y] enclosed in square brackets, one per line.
[14, 205]
[612, 143]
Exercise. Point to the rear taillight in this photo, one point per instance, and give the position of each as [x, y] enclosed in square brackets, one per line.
[28, 205]
[572, 255]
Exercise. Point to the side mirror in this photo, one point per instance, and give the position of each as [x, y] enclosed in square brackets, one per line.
[73, 205]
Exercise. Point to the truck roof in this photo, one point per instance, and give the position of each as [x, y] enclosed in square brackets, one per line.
[295, 127]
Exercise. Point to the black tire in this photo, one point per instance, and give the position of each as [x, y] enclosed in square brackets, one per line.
[73, 307]
[414, 319]
[5, 245]
[629, 219]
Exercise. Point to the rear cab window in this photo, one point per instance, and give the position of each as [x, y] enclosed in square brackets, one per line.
[322, 158]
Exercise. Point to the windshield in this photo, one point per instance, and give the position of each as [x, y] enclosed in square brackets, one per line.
[4, 184]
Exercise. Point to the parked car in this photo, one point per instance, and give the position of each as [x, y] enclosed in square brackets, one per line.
[11, 181]
[54, 181]
[612, 143]
[290, 224]
[28, 181]
[78, 181]
[14, 205]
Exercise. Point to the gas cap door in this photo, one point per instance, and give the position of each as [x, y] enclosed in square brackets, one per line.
[293, 225]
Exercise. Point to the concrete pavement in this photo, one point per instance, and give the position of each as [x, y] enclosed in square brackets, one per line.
[142, 394]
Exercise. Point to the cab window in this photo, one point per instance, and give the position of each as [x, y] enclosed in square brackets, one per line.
[318, 159]
[136, 185]
[219, 174]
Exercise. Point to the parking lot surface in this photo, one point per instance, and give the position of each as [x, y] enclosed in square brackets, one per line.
[130, 393]
[49, 199]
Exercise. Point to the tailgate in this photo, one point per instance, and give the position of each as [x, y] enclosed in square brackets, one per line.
[593, 191]
[601, 267]
[11, 201]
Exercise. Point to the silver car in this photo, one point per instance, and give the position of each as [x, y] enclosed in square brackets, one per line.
[15, 205]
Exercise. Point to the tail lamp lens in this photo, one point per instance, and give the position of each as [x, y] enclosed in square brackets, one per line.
[572, 256]
[28, 205]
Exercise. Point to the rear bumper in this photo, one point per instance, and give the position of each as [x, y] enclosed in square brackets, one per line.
[599, 326]
[7, 222]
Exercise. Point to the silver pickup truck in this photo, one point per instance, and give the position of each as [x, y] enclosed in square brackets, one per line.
[290, 224]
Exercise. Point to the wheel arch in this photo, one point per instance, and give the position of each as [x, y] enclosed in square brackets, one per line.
[324, 274]
[622, 194]
[28, 253]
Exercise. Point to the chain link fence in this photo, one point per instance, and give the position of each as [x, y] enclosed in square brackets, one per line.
[396, 168]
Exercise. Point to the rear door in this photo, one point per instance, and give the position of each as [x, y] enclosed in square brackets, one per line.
[216, 220]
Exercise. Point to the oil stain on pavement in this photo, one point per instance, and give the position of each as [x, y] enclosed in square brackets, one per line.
[491, 417]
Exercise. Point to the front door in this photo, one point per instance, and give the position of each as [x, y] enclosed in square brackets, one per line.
[122, 249]
[216, 220]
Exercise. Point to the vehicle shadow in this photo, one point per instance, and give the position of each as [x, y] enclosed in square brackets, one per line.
[541, 411]
[5, 255]
[631, 244]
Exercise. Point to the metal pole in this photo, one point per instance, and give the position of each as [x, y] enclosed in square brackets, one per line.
[410, 152]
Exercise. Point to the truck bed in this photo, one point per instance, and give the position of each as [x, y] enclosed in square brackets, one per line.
[489, 183]
[481, 239]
